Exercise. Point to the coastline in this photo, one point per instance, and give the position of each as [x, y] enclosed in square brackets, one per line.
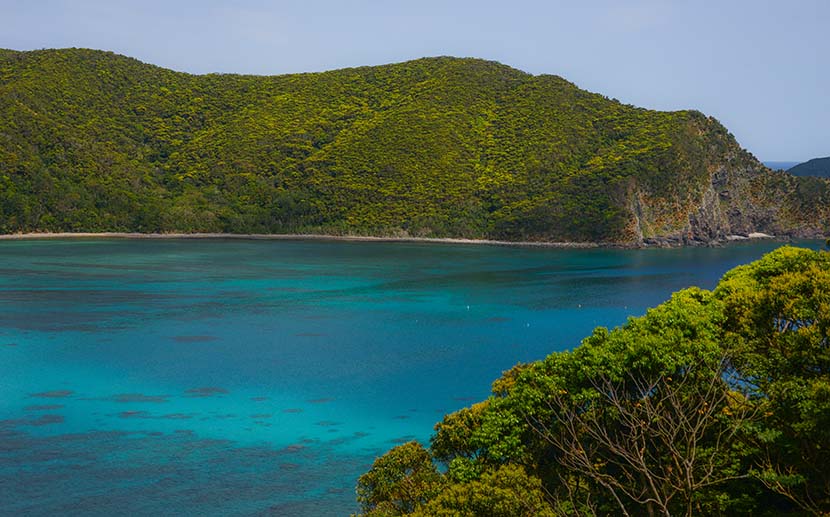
[296, 237]
[658, 243]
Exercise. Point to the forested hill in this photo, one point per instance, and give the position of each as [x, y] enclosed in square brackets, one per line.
[819, 167]
[437, 147]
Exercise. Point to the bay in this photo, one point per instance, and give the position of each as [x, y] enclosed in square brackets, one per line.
[230, 377]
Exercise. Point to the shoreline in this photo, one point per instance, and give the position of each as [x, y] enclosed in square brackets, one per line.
[295, 237]
[367, 238]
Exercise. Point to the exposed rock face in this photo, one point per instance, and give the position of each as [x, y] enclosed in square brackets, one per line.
[743, 199]
[708, 223]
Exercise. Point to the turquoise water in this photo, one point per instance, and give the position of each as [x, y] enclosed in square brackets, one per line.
[262, 377]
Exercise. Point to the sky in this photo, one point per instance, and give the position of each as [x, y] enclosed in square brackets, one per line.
[761, 67]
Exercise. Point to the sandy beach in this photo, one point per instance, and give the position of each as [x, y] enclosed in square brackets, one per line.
[265, 236]
[362, 238]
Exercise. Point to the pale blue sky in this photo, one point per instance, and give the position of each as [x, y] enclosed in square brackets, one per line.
[761, 67]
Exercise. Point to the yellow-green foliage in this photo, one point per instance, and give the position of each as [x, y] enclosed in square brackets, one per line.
[94, 141]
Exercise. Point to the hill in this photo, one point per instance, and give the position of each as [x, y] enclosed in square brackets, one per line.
[817, 167]
[436, 147]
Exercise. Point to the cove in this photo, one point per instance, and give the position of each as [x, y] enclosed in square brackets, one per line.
[233, 377]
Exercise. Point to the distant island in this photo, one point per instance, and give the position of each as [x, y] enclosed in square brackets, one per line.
[438, 147]
[817, 167]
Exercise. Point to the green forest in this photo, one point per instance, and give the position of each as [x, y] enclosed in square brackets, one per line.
[713, 403]
[817, 167]
[436, 147]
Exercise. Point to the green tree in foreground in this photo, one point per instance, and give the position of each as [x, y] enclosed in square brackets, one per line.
[711, 403]
[658, 443]
[778, 321]
[399, 482]
[505, 492]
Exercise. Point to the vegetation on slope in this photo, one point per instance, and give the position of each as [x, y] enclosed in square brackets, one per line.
[817, 167]
[712, 403]
[93, 141]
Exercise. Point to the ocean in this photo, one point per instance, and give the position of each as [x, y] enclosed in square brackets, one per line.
[234, 377]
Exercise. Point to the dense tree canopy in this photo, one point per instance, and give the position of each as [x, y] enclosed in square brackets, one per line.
[93, 141]
[711, 403]
[818, 167]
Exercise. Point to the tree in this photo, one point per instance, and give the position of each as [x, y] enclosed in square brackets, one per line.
[399, 482]
[505, 492]
[778, 320]
[654, 443]
[711, 403]
[453, 436]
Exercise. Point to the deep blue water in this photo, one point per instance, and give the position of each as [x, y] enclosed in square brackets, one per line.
[781, 165]
[231, 377]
